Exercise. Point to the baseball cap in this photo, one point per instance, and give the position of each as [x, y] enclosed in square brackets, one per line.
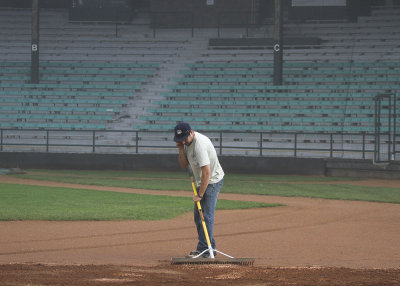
[182, 131]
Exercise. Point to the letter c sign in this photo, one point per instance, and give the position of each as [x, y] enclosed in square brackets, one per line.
[277, 48]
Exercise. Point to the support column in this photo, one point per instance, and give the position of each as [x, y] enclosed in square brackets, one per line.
[35, 42]
[278, 45]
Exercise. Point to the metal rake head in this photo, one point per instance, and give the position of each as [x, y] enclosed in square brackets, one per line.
[237, 261]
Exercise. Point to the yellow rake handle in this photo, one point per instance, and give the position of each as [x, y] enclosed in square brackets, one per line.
[202, 220]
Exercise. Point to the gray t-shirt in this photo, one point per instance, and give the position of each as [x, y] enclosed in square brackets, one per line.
[201, 152]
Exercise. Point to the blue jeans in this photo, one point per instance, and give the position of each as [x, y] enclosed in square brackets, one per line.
[208, 205]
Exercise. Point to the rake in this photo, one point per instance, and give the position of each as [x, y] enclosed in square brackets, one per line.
[198, 259]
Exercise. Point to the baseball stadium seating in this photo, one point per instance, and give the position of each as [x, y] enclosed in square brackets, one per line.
[101, 76]
[69, 95]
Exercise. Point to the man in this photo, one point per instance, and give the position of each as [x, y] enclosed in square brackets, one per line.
[197, 150]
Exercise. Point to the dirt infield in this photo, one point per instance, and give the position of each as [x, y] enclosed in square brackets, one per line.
[306, 242]
[190, 275]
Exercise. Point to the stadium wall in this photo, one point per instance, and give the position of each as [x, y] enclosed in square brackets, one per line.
[234, 164]
[231, 164]
[181, 13]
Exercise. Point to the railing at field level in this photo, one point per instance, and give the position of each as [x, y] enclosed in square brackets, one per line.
[294, 144]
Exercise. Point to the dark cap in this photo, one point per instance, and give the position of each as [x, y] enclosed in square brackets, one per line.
[182, 131]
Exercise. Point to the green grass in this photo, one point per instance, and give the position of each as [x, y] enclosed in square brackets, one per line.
[161, 180]
[323, 191]
[277, 185]
[142, 180]
[24, 202]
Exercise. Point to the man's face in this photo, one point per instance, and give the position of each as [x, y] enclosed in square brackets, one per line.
[189, 139]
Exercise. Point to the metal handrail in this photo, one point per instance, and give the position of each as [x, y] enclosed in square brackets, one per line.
[392, 124]
[52, 139]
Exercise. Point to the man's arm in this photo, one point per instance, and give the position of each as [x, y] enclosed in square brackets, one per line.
[182, 157]
[205, 179]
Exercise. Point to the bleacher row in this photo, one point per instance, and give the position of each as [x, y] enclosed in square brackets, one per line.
[69, 95]
[317, 97]
[240, 96]
[90, 72]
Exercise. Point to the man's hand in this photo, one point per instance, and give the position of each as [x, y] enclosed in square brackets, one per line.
[179, 145]
[196, 198]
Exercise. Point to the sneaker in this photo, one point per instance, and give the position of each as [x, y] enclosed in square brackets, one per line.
[207, 254]
[193, 254]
